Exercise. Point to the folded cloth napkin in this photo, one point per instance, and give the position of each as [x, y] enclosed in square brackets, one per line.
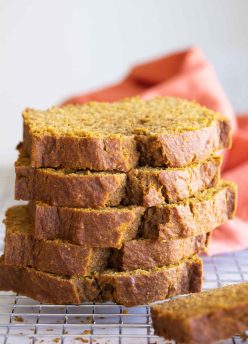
[189, 75]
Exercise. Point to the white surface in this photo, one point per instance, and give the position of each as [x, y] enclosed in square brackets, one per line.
[51, 49]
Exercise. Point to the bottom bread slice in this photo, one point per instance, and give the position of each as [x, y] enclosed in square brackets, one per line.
[126, 288]
[204, 317]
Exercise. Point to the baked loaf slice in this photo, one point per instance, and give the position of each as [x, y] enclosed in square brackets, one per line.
[111, 227]
[57, 257]
[203, 318]
[118, 136]
[104, 228]
[62, 258]
[141, 186]
[147, 254]
[192, 217]
[126, 288]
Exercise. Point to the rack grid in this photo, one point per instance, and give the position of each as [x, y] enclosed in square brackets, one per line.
[23, 320]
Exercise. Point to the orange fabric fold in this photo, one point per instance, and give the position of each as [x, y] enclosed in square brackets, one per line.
[188, 74]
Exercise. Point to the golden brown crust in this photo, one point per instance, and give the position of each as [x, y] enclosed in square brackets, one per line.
[143, 186]
[158, 132]
[204, 317]
[128, 289]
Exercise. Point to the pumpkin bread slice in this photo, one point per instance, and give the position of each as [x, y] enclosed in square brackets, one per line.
[205, 317]
[163, 131]
[142, 186]
[111, 227]
[126, 288]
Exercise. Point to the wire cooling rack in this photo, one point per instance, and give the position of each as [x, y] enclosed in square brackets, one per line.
[23, 320]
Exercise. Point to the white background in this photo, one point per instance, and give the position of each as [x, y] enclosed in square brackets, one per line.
[51, 49]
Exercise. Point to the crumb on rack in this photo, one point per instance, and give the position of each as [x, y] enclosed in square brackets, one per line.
[56, 340]
[18, 318]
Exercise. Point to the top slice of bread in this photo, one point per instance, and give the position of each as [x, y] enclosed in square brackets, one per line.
[118, 136]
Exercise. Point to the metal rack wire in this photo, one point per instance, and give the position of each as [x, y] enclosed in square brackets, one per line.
[23, 320]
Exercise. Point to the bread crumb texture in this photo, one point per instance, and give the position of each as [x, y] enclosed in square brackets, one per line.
[130, 116]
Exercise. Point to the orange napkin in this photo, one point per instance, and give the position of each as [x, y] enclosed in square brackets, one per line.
[189, 75]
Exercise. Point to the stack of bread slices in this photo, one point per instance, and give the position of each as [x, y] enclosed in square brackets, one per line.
[122, 199]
